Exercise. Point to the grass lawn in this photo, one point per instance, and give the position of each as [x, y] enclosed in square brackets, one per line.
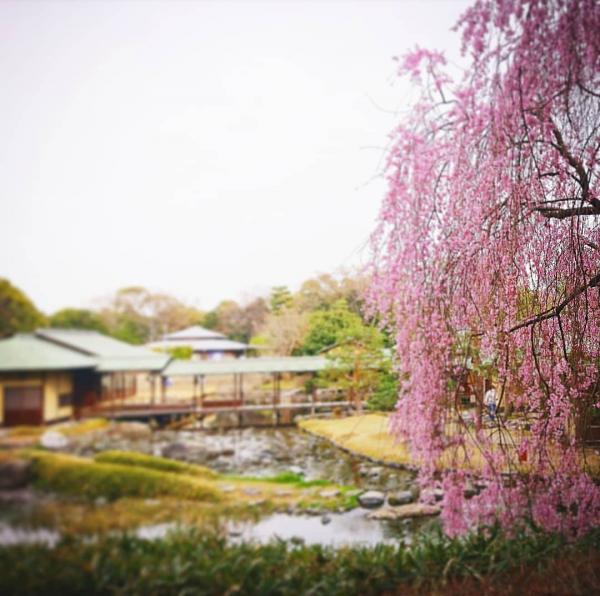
[365, 435]
[368, 435]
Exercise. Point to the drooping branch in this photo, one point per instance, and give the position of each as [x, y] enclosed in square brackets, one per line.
[576, 164]
[558, 213]
[556, 310]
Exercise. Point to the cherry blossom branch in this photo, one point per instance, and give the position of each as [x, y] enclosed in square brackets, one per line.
[555, 311]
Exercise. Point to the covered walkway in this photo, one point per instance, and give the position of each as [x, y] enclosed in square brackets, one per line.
[235, 395]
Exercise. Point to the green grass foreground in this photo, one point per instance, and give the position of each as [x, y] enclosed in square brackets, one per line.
[195, 563]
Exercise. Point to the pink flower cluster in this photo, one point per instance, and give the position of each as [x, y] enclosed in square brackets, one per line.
[486, 252]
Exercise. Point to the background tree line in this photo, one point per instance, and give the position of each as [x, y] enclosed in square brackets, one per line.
[323, 317]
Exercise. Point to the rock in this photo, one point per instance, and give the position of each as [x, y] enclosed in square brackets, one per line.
[405, 511]
[375, 472]
[402, 497]
[283, 492]
[52, 439]
[257, 502]
[17, 496]
[329, 493]
[175, 450]
[133, 430]
[14, 473]
[251, 491]
[436, 494]
[415, 491]
[326, 519]
[296, 470]
[215, 453]
[100, 501]
[469, 491]
[226, 488]
[371, 499]
[363, 470]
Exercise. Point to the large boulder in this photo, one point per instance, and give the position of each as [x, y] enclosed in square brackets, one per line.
[14, 474]
[371, 499]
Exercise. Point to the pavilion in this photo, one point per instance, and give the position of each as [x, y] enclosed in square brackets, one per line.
[205, 344]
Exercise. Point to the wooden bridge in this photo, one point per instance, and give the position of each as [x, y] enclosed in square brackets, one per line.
[282, 413]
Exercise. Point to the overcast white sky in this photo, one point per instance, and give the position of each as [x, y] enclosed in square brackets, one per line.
[207, 149]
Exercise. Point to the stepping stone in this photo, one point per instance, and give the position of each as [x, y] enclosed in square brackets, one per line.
[329, 493]
[226, 488]
[283, 492]
[251, 492]
[402, 497]
[371, 499]
[405, 511]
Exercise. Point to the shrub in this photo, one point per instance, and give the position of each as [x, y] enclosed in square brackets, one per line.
[151, 462]
[82, 427]
[86, 478]
[197, 563]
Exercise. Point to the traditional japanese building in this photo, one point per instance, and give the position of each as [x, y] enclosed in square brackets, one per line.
[204, 343]
[54, 374]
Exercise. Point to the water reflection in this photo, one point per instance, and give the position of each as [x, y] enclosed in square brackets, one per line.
[10, 536]
[345, 529]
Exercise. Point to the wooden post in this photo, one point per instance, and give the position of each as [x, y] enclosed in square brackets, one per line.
[194, 394]
[479, 405]
[152, 388]
[202, 398]
[274, 399]
[278, 411]
[313, 395]
[163, 389]
[241, 399]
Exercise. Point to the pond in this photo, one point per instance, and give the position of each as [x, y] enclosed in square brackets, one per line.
[259, 452]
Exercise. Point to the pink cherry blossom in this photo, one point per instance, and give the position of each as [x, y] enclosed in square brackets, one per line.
[487, 254]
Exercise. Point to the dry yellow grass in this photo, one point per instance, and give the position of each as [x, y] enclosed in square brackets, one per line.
[368, 435]
[365, 435]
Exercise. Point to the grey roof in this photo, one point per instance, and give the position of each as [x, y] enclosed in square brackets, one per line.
[193, 332]
[26, 352]
[110, 354]
[297, 364]
[91, 342]
[153, 362]
[50, 349]
[202, 345]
